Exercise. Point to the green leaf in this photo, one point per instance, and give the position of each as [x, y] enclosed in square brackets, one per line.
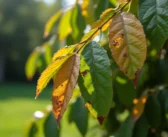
[31, 129]
[47, 53]
[95, 80]
[65, 25]
[50, 126]
[124, 90]
[153, 111]
[31, 64]
[134, 7]
[77, 23]
[79, 112]
[51, 22]
[154, 17]
[139, 130]
[126, 129]
[127, 43]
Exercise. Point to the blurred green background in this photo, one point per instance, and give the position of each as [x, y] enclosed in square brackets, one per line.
[21, 30]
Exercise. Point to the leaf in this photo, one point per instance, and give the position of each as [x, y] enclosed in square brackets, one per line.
[154, 16]
[90, 35]
[134, 7]
[127, 43]
[31, 64]
[31, 129]
[48, 73]
[77, 23]
[47, 53]
[95, 80]
[50, 126]
[103, 19]
[51, 22]
[79, 112]
[126, 129]
[139, 107]
[139, 130]
[87, 11]
[65, 25]
[64, 83]
[102, 5]
[153, 111]
[63, 52]
[124, 90]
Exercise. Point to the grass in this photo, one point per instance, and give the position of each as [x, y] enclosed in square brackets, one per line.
[17, 105]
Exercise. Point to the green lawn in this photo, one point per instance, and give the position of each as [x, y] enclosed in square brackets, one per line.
[17, 105]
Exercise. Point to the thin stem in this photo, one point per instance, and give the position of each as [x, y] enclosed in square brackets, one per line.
[100, 27]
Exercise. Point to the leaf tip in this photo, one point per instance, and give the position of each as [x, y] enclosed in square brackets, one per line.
[101, 119]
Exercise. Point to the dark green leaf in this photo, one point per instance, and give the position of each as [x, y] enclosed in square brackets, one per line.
[50, 126]
[31, 129]
[95, 80]
[126, 129]
[125, 90]
[139, 130]
[153, 111]
[79, 115]
[154, 17]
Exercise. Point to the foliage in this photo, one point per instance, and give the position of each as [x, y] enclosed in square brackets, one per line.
[131, 26]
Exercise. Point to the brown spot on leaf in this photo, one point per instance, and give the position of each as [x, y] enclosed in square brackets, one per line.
[84, 73]
[101, 119]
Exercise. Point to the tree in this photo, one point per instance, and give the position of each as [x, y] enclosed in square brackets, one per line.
[124, 83]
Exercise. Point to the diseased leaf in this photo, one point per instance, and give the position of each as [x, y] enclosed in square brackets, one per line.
[65, 25]
[48, 73]
[154, 16]
[139, 107]
[95, 80]
[31, 64]
[127, 43]
[103, 19]
[51, 22]
[50, 126]
[64, 83]
[63, 52]
[79, 112]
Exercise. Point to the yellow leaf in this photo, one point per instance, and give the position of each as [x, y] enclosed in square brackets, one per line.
[48, 73]
[90, 35]
[63, 52]
[139, 107]
[65, 25]
[51, 22]
[104, 17]
[87, 11]
[127, 43]
[64, 83]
